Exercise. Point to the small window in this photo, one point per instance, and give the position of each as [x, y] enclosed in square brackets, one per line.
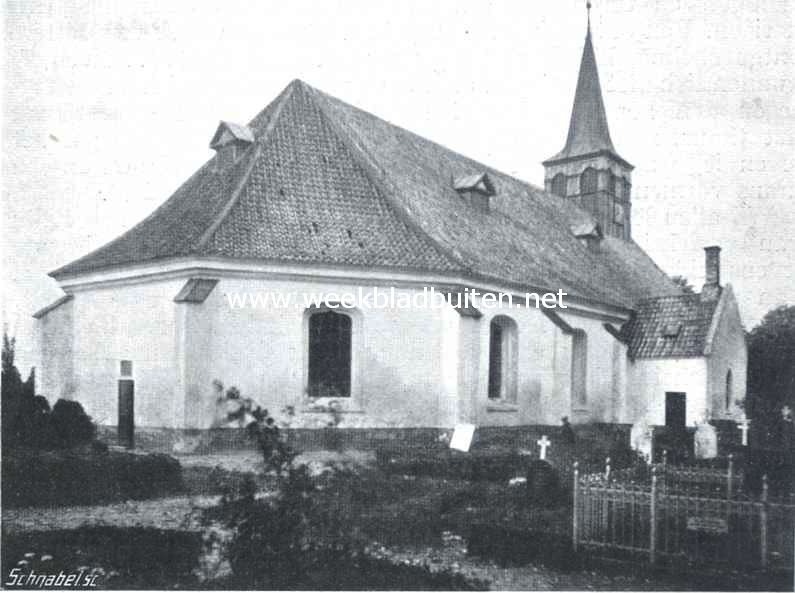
[611, 182]
[579, 367]
[126, 368]
[671, 330]
[588, 181]
[729, 387]
[502, 359]
[559, 185]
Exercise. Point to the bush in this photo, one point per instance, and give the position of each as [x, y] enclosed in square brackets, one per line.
[70, 424]
[85, 476]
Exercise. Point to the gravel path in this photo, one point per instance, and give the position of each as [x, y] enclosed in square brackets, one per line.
[163, 513]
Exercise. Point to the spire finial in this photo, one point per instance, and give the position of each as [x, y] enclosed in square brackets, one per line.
[588, 8]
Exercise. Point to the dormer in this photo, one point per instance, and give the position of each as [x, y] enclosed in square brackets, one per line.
[229, 142]
[476, 189]
[589, 234]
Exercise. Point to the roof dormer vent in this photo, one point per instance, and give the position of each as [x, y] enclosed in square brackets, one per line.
[589, 234]
[671, 330]
[476, 189]
[229, 142]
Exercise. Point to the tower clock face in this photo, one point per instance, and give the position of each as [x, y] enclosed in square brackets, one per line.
[618, 213]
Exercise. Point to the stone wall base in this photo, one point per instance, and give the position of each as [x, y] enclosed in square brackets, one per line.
[204, 441]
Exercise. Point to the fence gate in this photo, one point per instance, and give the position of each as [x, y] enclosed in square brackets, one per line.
[662, 520]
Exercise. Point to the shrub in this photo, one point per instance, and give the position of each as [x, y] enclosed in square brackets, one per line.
[85, 476]
[70, 424]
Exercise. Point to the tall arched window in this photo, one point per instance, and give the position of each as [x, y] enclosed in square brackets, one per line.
[588, 181]
[579, 368]
[559, 185]
[729, 387]
[502, 359]
[329, 354]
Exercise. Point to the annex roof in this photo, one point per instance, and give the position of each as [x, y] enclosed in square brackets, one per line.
[670, 327]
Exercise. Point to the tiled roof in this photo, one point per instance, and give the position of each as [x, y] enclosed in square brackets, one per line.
[588, 130]
[670, 327]
[328, 183]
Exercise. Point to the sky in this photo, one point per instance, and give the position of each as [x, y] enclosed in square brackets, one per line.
[109, 106]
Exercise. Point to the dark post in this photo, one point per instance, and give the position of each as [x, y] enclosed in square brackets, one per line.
[763, 522]
[653, 518]
[575, 496]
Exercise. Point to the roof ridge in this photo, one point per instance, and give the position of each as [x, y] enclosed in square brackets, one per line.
[527, 185]
[380, 182]
[266, 134]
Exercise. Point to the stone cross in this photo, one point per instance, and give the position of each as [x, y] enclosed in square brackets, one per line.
[743, 426]
[544, 443]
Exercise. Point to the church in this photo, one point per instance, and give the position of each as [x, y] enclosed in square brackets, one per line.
[314, 195]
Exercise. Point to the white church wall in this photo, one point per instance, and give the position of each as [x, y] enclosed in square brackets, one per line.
[605, 385]
[401, 359]
[650, 379]
[55, 345]
[131, 322]
[538, 390]
[728, 352]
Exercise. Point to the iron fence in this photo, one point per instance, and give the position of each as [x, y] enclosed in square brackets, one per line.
[697, 516]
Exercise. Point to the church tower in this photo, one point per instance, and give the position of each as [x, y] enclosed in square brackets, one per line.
[588, 169]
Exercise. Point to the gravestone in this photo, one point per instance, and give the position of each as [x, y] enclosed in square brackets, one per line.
[744, 426]
[544, 443]
[543, 485]
[641, 438]
[462, 437]
[706, 441]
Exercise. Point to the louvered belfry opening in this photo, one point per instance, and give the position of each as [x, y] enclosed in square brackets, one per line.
[329, 354]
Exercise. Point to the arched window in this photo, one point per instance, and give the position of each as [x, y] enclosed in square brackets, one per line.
[729, 387]
[502, 359]
[588, 181]
[329, 354]
[559, 185]
[611, 182]
[579, 368]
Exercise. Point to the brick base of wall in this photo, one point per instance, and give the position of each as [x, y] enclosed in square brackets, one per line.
[521, 438]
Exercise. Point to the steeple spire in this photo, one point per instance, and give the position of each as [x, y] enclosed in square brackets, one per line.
[588, 129]
[588, 171]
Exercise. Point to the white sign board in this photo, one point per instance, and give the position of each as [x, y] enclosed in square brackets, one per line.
[462, 437]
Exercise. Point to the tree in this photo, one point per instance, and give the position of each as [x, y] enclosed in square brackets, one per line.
[771, 365]
[17, 395]
[12, 390]
[683, 284]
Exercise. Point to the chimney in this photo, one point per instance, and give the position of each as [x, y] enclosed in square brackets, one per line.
[711, 288]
